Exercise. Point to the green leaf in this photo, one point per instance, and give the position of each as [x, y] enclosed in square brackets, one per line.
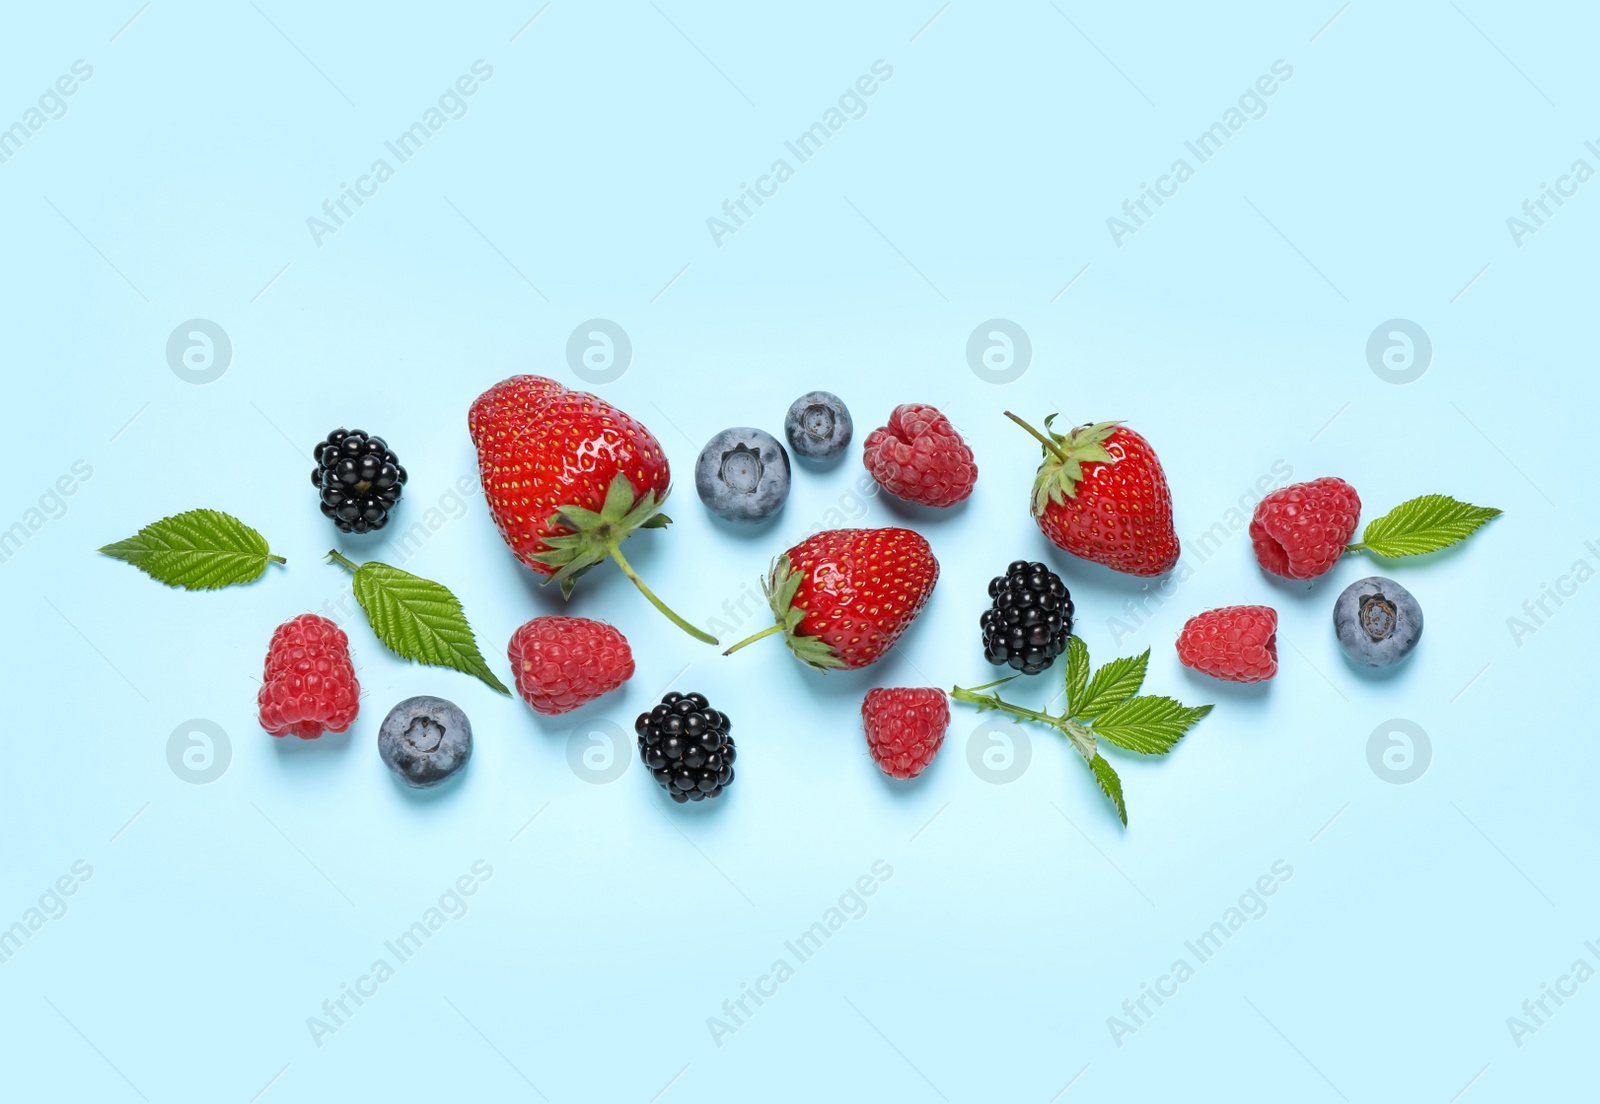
[1110, 785]
[420, 620]
[1423, 525]
[1113, 684]
[1150, 725]
[1077, 673]
[196, 550]
[1079, 737]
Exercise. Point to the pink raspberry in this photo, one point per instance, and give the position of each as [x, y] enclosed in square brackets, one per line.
[920, 457]
[561, 663]
[1236, 643]
[904, 728]
[309, 686]
[1301, 530]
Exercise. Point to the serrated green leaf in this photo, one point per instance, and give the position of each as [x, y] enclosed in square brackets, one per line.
[1150, 725]
[1079, 737]
[196, 550]
[420, 620]
[1113, 684]
[1110, 785]
[1422, 525]
[1077, 673]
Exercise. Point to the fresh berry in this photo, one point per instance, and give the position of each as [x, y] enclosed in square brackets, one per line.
[561, 663]
[568, 477]
[1378, 621]
[842, 597]
[360, 478]
[742, 474]
[425, 740]
[687, 746]
[309, 686]
[818, 426]
[1100, 493]
[1027, 624]
[904, 728]
[1301, 530]
[1236, 643]
[920, 457]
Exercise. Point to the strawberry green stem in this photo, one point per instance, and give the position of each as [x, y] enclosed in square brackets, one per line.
[335, 558]
[1049, 445]
[616, 554]
[768, 631]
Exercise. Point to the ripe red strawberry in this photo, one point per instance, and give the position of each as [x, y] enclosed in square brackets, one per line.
[844, 596]
[568, 477]
[904, 728]
[561, 663]
[1236, 643]
[1101, 494]
[308, 686]
[1300, 531]
[920, 457]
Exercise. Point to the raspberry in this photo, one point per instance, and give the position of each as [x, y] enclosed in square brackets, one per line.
[309, 685]
[904, 728]
[561, 663]
[920, 457]
[687, 746]
[1237, 643]
[1301, 530]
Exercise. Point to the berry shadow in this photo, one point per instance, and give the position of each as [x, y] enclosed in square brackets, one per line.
[1395, 672]
[913, 512]
[1212, 689]
[447, 792]
[745, 530]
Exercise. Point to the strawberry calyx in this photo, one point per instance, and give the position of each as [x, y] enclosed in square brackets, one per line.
[597, 536]
[1061, 470]
[781, 586]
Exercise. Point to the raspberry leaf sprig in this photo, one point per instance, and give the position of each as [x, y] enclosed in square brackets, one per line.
[1422, 525]
[417, 619]
[196, 550]
[1105, 707]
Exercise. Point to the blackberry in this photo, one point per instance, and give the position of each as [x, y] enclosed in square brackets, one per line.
[360, 478]
[1028, 623]
[686, 745]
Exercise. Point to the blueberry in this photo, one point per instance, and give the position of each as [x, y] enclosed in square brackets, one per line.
[742, 474]
[818, 426]
[425, 740]
[1378, 621]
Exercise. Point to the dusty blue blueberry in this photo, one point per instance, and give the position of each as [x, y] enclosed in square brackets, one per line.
[742, 474]
[425, 740]
[818, 426]
[1378, 621]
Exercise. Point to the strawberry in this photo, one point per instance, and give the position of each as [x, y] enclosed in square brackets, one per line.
[843, 596]
[568, 477]
[1101, 494]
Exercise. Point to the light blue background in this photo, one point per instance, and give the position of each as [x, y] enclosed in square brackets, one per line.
[1231, 330]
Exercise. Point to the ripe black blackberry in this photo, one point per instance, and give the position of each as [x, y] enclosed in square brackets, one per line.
[686, 745]
[1028, 623]
[360, 478]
